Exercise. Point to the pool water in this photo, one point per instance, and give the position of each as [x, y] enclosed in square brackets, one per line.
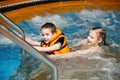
[10, 58]
[75, 26]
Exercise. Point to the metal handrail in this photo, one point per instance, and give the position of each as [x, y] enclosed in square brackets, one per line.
[12, 24]
[18, 29]
[21, 42]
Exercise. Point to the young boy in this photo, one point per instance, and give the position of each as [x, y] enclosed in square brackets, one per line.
[53, 40]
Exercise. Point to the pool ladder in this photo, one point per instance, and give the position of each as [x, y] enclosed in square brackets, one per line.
[5, 30]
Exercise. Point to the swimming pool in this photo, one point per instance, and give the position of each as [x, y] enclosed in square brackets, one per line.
[75, 25]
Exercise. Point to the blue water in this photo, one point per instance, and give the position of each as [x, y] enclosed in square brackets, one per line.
[75, 26]
[10, 59]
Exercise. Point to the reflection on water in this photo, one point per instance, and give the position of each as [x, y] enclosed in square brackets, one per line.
[75, 25]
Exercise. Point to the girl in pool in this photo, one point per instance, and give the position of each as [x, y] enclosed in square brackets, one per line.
[95, 39]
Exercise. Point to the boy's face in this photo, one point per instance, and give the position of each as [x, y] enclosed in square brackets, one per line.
[92, 39]
[46, 35]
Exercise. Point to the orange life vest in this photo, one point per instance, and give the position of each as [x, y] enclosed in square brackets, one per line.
[64, 47]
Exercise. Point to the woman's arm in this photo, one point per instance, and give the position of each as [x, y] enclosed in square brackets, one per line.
[91, 50]
[78, 45]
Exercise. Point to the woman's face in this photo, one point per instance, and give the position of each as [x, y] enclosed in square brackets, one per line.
[46, 35]
[92, 39]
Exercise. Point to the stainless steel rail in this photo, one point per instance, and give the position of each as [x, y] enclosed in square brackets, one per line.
[18, 29]
[11, 24]
[21, 42]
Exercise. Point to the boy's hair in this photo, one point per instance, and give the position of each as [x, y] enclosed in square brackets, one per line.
[50, 26]
[102, 33]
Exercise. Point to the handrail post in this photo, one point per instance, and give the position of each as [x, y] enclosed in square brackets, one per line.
[10, 23]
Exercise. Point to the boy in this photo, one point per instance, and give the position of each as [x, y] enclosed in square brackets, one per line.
[53, 40]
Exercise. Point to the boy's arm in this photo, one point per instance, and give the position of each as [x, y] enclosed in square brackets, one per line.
[34, 43]
[56, 46]
[30, 41]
